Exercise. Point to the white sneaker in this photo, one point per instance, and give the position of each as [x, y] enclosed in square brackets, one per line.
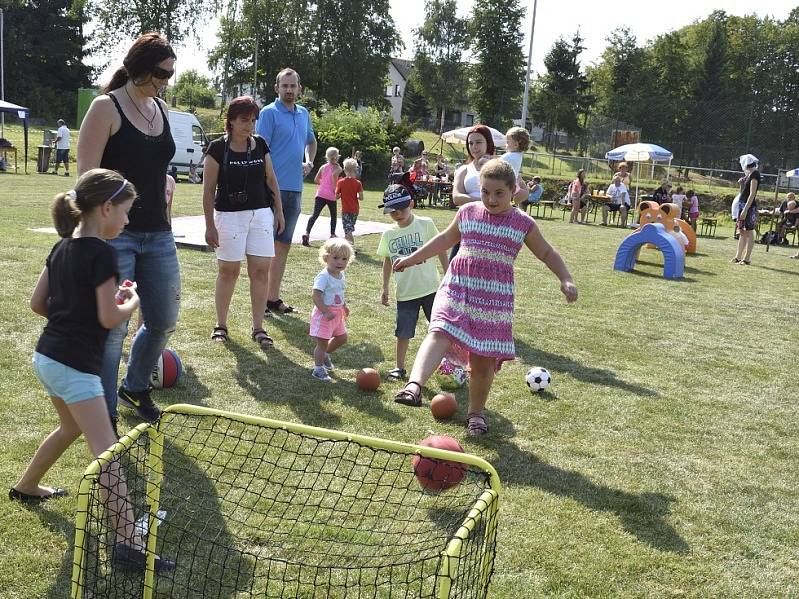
[319, 372]
[328, 362]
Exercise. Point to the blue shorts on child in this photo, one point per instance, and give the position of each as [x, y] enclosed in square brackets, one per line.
[62, 381]
[323, 328]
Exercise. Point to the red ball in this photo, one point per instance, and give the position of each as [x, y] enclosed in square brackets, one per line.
[368, 379]
[443, 406]
[438, 475]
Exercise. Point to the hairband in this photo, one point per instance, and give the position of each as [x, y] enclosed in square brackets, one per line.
[72, 195]
[118, 191]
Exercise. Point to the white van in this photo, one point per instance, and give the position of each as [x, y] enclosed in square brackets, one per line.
[190, 141]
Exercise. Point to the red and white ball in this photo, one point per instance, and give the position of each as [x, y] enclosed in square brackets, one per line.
[167, 370]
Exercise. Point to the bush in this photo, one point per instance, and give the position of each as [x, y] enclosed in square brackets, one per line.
[367, 131]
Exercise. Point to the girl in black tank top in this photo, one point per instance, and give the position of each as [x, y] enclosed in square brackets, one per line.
[143, 160]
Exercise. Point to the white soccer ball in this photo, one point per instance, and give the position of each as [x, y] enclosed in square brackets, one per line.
[538, 379]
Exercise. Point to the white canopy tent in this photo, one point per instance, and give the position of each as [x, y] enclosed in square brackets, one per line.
[638, 153]
[459, 136]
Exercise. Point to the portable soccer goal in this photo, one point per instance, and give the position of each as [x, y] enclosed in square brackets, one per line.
[252, 507]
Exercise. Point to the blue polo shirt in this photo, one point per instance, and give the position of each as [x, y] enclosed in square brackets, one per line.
[287, 132]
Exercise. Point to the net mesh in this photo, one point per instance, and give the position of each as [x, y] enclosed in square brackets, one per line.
[256, 510]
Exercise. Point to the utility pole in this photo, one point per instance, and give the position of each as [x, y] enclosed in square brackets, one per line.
[2, 77]
[527, 76]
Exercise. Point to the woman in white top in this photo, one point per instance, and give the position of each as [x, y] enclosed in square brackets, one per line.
[479, 149]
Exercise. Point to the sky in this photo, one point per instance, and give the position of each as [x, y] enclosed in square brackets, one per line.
[554, 18]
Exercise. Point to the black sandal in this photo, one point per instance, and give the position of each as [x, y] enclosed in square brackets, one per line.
[28, 499]
[261, 338]
[397, 374]
[407, 397]
[279, 306]
[219, 334]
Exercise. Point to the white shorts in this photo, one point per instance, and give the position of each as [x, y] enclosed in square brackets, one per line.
[245, 233]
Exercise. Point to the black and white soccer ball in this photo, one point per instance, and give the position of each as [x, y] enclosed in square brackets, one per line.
[538, 379]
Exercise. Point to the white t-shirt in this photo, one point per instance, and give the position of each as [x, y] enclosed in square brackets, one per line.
[619, 194]
[332, 288]
[514, 159]
[63, 138]
[678, 198]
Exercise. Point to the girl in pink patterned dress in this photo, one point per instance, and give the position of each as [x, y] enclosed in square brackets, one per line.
[473, 311]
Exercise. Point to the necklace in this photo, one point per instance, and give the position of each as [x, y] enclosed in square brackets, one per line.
[151, 121]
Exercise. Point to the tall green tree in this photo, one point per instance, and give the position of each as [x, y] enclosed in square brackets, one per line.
[438, 68]
[498, 72]
[562, 98]
[176, 19]
[44, 57]
[414, 104]
[194, 89]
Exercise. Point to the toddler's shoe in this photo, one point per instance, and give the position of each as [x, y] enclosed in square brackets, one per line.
[320, 372]
[328, 362]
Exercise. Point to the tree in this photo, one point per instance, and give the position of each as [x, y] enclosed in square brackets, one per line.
[438, 68]
[563, 94]
[176, 19]
[44, 49]
[194, 89]
[414, 104]
[498, 73]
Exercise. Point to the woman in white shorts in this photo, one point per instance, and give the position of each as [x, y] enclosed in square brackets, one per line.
[241, 202]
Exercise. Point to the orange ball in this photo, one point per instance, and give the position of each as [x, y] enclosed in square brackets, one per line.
[368, 379]
[438, 475]
[443, 406]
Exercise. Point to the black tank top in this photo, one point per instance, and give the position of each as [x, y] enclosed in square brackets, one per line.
[143, 160]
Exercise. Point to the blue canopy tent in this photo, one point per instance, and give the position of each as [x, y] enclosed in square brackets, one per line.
[638, 153]
[21, 112]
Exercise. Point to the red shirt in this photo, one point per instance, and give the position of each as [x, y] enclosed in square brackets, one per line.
[349, 188]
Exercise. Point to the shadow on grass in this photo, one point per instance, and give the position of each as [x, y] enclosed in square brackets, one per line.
[642, 515]
[652, 275]
[779, 270]
[578, 370]
[292, 385]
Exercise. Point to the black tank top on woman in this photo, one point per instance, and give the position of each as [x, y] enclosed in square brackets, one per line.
[143, 160]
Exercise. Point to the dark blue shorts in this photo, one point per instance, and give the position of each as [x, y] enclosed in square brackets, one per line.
[408, 315]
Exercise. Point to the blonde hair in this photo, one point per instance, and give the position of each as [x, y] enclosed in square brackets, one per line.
[94, 188]
[338, 247]
[350, 166]
[520, 136]
[330, 152]
[499, 170]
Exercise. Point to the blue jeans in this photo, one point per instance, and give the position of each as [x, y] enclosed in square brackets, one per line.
[151, 260]
[292, 205]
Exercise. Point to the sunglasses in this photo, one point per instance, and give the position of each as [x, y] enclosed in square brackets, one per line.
[160, 73]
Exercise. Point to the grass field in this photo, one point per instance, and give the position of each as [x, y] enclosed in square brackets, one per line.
[662, 463]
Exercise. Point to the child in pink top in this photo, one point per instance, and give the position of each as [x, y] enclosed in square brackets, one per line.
[693, 207]
[325, 179]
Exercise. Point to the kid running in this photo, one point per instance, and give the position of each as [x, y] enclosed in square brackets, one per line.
[416, 287]
[325, 179]
[330, 311]
[78, 293]
[473, 309]
[350, 191]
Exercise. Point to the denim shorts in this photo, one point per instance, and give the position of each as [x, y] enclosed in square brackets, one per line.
[408, 315]
[292, 205]
[64, 382]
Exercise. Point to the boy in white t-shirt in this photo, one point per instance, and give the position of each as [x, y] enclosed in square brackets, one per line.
[416, 286]
[62, 144]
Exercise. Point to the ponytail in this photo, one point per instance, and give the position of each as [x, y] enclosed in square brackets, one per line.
[119, 79]
[66, 214]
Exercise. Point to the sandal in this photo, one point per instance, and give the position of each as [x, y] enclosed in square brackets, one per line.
[261, 338]
[408, 398]
[279, 306]
[220, 334]
[28, 499]
[476, 424]
[397, 374]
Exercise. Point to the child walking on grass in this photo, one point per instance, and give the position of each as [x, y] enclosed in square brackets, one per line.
[326, 178]
[328, 318]
[77, 292]
[473, 311]
[350, 191]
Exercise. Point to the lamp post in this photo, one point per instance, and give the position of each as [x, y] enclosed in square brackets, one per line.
[527, 76]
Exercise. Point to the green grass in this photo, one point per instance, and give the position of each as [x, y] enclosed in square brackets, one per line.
[662, 462]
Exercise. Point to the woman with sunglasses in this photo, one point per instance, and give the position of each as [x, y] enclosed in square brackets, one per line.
[127, 130]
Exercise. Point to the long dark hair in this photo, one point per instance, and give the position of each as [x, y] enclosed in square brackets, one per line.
[482, 130]
[145, 53]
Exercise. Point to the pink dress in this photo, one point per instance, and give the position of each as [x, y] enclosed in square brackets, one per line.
[474, 304]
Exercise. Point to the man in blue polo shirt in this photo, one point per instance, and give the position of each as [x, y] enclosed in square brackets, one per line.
[286, 127]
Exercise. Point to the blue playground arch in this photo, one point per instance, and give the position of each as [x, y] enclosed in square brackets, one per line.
[673, 254]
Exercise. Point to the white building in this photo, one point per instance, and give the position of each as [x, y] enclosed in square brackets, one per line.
[399, 70]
